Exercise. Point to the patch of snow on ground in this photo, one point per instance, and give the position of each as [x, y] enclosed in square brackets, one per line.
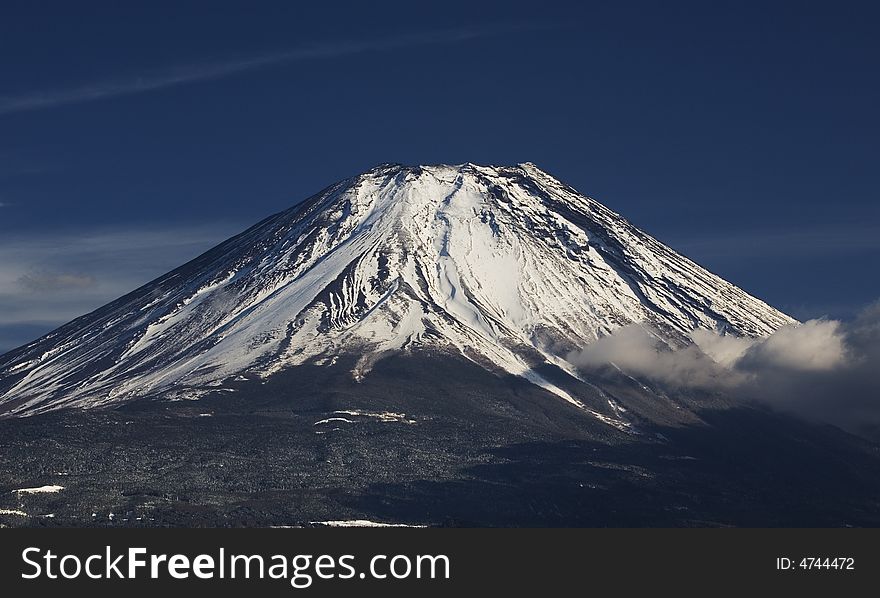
[332, 419]
[361, 523]
[39, 490]
[385, 416]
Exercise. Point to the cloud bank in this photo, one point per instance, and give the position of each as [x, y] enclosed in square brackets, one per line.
[823, 370]
[47, 280]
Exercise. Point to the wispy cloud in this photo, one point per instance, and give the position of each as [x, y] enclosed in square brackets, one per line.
[41, 281]
[192, 73]
[47, 280]
[831, 239]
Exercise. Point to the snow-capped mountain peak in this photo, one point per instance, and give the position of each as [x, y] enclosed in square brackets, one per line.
[504, 265]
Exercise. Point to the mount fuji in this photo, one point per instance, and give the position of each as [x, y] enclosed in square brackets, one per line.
[505, 266]
[398, 348]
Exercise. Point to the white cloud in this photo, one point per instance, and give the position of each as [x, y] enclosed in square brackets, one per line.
[724, 350]
[824, 370]
[813, 346]
[637, 352]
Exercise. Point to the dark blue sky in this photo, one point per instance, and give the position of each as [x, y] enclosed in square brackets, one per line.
[132, 137]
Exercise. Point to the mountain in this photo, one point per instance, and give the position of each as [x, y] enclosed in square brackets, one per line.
[505, 266]
[395, 349]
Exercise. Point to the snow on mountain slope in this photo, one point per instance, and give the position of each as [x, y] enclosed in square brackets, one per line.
[505, 265]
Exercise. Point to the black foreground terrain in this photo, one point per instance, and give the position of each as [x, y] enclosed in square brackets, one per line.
[428, 442]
